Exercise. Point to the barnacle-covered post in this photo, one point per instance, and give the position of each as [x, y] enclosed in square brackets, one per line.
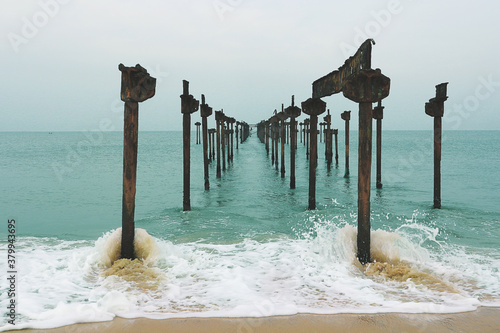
[136, 86]
[188, 105]
[365, 87]
[313, 107]
[378, 114]
[435, 109]
[346, 116]
[205, 112]
[292, 112]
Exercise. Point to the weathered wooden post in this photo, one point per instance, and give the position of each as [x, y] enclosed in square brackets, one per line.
[435, 109]
[188, 105]
[292, 112]
[336, 133]
[218, 119]
[378, 114]
[136, 86]
[313, 107]
[365, 87]
[205, 112]
[346, 116]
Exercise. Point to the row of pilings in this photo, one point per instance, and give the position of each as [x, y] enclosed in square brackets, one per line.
[218, 142]
[355, 79]
[137, 86]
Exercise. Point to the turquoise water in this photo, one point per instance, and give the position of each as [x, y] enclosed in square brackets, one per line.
[64, 191]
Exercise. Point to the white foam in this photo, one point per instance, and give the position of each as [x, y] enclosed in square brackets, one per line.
[62, 282]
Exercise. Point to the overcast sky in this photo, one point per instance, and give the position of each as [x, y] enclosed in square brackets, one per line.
[60, 58]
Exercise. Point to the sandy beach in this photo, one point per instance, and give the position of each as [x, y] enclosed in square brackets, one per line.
[483, 320]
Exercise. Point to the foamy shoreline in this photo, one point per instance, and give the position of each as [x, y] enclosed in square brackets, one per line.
[484, 320]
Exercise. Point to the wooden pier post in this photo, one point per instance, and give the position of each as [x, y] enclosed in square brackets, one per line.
[293, 112]
[365, 87]
[313, 107]
[435, 109]
[205, 112]
[136, 86]
[188, 105]
[346, 116]
[378, 114]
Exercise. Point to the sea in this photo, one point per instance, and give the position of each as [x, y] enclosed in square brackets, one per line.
[249, 247]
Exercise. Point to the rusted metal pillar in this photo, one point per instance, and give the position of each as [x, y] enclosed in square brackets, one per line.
[198, 139]
[292, 112]
[365, 87]
[232, 121]
[205, 112]
[212, 140]
[346, 116]
[328, 139]
[306, 136]
[301, 131]
[378, 114]
[223, 141]
[267, 136]
[313, 107]
[276, 141]
[210, 145]
[435, 109]
[272, 121]
[218, 120]
[336, 133]
[136, 86]
[281, 117]
[188, 105]
[237, 134]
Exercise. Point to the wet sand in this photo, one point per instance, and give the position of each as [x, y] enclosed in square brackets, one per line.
[484, 320]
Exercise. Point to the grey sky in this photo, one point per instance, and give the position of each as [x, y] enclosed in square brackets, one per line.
[61, 57]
